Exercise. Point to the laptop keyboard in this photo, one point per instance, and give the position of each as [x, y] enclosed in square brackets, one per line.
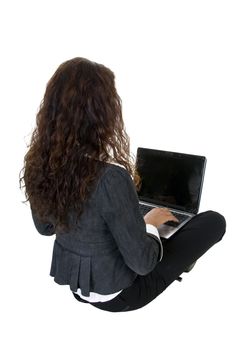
[181, 217]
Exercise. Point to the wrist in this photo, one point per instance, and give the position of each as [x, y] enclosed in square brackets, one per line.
[149, 223]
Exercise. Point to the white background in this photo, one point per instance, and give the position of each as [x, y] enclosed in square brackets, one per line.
[173, 64]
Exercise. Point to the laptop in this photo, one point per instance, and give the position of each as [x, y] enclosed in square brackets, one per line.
[172, 180]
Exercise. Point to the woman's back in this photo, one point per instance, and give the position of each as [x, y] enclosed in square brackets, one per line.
[103, 252]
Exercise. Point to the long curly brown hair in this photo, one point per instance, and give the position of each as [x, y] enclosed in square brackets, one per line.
[79, 121]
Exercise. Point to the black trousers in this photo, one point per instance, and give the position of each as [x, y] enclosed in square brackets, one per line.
[180, 251]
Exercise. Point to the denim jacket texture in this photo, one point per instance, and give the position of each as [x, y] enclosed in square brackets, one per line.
[108, 246]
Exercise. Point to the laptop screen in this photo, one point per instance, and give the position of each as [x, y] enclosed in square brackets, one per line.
[170, 179]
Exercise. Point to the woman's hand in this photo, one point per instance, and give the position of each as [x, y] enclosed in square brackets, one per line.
[158, 216]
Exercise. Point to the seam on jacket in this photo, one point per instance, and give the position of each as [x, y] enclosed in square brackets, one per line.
[83, 255]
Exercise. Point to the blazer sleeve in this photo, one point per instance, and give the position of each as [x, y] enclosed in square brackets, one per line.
[44, 228]
[120, 210]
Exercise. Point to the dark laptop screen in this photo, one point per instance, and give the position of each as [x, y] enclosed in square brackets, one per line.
[170, 179]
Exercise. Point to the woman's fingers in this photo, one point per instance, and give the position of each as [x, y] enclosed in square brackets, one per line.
[169, 215]
[172, 217]
[165, 212]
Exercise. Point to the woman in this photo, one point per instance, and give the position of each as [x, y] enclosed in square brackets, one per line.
[81, 183]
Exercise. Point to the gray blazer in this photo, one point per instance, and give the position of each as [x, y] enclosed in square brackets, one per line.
[108, 245]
